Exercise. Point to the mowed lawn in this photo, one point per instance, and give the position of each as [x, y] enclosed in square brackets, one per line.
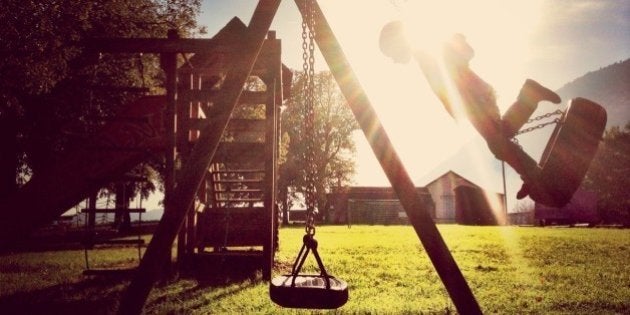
[511, 270]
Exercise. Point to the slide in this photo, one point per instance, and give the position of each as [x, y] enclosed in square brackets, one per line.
[118, 147]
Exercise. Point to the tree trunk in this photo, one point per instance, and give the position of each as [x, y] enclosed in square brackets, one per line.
[122, 219]
[9, 154]
[283, 195]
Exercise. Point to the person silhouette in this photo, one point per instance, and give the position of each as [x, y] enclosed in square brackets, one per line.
[477, 98]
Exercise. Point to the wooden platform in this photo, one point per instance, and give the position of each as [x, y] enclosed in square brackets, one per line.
[232, 226]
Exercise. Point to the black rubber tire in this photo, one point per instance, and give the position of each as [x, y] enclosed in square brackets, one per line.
[569, 152]
[309, 292]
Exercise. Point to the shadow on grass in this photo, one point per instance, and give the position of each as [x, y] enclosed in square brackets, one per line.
[91, 296]
[205, 282]
[101, 295]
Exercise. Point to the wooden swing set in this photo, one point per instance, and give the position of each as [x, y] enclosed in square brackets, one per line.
[180, 198]
[297, 289]
[222, 181]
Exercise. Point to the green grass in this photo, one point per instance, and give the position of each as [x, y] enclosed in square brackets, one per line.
[511, 270]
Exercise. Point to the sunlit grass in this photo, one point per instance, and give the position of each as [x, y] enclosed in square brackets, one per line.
[511, 270]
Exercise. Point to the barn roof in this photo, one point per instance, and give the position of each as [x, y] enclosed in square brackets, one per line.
[457, 175]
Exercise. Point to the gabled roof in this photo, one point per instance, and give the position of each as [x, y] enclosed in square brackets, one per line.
[457, 175]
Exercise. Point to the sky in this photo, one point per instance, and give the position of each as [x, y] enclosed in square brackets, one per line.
[551, 41]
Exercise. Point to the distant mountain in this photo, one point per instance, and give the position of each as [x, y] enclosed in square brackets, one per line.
[608, 86]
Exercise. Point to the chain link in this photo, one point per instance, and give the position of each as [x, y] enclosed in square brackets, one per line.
[308, 56]
[542, 125]
[547, 115]
[539, 126]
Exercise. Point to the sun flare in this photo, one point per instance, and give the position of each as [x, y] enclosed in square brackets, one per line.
[422, 131]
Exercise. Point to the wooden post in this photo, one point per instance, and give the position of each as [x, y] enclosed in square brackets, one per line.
[385, 153]
[91, 220]
[193, 135]
[169, 64]
[184, 113]
[193, 172]
[271, 80]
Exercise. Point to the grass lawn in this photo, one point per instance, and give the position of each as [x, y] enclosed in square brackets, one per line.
[511, 270]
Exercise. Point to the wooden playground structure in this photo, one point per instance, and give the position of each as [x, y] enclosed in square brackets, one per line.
[234, 213]
[221, 168]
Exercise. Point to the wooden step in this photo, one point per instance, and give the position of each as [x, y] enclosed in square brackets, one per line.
[236, 181]
[240, 185]
[240, 190]
[239, 171]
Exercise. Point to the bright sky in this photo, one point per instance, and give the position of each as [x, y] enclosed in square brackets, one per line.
[552, 41]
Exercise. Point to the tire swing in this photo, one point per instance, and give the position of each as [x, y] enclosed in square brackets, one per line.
[297, 290]
[569, 152]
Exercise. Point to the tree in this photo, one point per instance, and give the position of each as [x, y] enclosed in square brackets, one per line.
[609, 175]
[47, 78]
[334, 147]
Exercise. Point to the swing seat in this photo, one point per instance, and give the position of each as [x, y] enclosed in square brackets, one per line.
[569, 152]
[309, 291]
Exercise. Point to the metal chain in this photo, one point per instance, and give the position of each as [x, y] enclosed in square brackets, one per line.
[539, 126]
[547, 115]
[542, 125]
[308, 56]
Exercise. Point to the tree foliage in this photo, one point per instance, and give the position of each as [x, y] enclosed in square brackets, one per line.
[334, 147]
[609, 175]
[47, 77]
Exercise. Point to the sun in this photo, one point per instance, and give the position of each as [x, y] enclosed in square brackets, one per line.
[499, 31]
[421, 130]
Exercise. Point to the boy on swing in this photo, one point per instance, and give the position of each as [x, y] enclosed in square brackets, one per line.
[479, 102]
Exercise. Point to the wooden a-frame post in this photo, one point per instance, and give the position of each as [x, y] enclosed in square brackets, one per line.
[425, 228]
[192, 173]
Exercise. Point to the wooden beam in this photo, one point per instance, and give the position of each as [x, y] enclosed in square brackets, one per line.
[169, 64]
[270, 176]
[385, 153]
[192, 173]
